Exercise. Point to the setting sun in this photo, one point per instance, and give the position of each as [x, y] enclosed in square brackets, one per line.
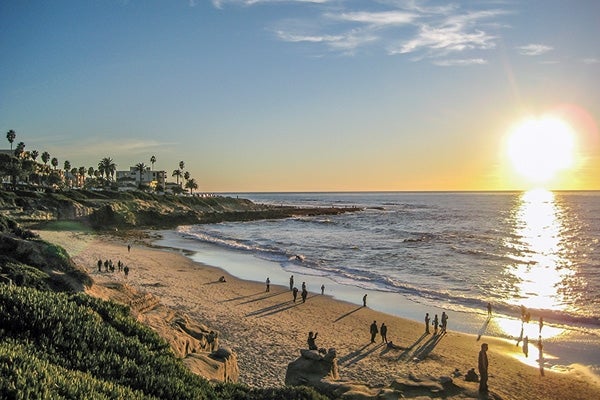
[539, 148]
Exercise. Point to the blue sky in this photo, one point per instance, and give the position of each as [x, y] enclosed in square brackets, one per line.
[276, 95]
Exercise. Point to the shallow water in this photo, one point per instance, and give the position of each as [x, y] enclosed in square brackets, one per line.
[430, 251]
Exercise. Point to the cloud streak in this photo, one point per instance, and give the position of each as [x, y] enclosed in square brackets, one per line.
[396, 27]
[534, 49]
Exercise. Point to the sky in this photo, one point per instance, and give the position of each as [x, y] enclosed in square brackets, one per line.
[301, 95]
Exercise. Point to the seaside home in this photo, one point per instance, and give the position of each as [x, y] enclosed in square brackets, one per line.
[131, 180]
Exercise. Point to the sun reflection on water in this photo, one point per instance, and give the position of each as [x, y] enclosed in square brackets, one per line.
[541, 265]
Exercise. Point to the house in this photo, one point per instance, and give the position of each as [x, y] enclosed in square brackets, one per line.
[132, 179]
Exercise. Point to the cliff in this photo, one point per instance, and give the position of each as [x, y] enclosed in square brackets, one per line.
[122, 210]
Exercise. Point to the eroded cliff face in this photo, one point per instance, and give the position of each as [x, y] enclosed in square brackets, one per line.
[110, 210]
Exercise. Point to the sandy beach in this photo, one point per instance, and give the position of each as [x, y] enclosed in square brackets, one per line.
[267, 329]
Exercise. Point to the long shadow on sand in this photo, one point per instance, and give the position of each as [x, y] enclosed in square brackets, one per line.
[484, 327]
[242, 297]
[274, 309]
[348, 313]
[407, 351]
[357, 355]
[266, 297]
[427, 348]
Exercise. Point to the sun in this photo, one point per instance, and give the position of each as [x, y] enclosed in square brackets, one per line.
[540, 148]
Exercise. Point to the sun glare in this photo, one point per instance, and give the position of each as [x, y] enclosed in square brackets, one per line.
[540, 148]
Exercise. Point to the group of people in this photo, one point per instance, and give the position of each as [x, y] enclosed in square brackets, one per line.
[110, 267]
[294, 290]
[382, 331]
[436, 323]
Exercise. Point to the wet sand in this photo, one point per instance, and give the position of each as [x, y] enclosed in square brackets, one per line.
[267, 329]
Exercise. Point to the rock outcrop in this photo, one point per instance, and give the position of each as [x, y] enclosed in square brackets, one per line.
[319, 370]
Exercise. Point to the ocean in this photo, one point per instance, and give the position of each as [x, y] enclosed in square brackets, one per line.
[453, 251]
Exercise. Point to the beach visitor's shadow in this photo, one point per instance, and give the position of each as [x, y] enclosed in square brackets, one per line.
[427, 348]
[358, 355]
[407, 351]
[266, 297]
[484, 327]
[241, 297]
[274, 309]
[348, 313]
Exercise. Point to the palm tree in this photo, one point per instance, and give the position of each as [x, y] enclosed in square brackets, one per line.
[45, 157]
[141, 167]
[107, 167]
[34, 154]
[177, 173]
[181, 165]
[67, 165]
[54, 162]
[19, 150]
[11, 135]
[186, 175]
[191, 184]
[152, 161]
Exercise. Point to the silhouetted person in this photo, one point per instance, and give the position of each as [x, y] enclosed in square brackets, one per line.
[383, 332]
[99, 265]
[128, 248]
[311, 341]
[374, 331]
[365, 300]
[435, 323]
[292, 282]
[489, 308]
[541, 323]
[427, 319]
[295, 293]
[322, 289]
[268, 285]
[444, 321]
[526, 346]
[126, 270]
[303, 285]
[304, 295]
[482, 364]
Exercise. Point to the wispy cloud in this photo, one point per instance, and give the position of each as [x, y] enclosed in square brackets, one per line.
[460, 63]
[397, 26]
[221, 3]
[534, 49]
[591, 61]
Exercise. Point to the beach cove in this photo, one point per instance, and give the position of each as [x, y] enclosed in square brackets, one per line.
[266, 330]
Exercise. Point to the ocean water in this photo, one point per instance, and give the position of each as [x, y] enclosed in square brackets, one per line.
[536, 249]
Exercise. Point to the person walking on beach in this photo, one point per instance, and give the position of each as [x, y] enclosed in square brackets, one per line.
[99, 265]
[482, 364]
[268, 285]
[304, 294]
[374, 331]
[489, 309]
[541, 323]
[383, 332]
[295, 293]
[126, 270]
[427, 319]
[303, 286]
[129, 248]
[292, 282]
[311, 341]
[365, 300]
[322, 289]
[444, 321]
[435, 324]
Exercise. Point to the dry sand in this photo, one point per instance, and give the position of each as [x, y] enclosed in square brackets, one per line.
[266, 330]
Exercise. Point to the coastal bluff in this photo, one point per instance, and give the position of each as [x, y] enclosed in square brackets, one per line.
[110, 210]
